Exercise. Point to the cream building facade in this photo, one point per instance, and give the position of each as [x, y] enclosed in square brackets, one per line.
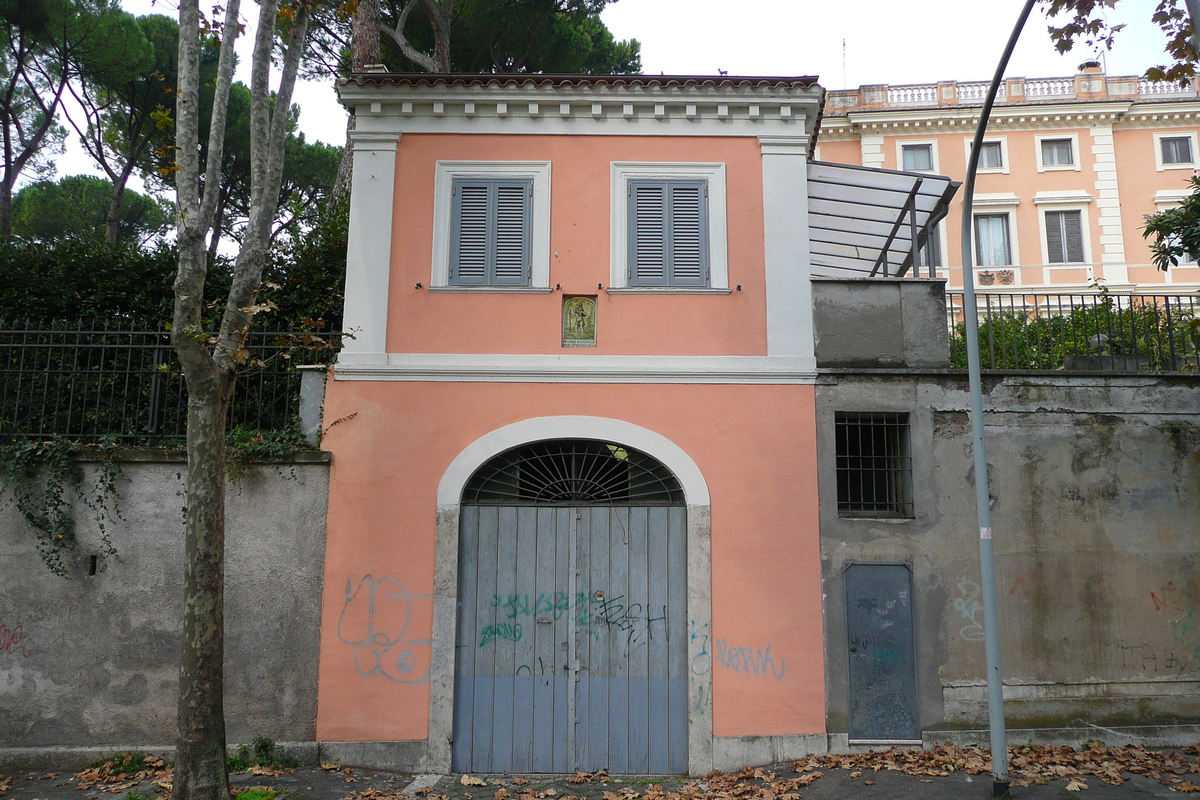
[1069, 169]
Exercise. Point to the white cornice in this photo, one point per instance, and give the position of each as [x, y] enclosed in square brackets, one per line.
[469, 368]
[701, 110]
[1014, 117]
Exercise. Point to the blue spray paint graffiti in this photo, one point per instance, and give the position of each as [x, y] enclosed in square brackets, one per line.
[750, 660]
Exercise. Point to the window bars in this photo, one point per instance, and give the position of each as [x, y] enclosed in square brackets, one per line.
[570, 472]
[874, 464]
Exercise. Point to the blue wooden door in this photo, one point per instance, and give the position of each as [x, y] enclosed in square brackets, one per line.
[571, 651]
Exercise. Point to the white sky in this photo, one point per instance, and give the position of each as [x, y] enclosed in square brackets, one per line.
[884, 42]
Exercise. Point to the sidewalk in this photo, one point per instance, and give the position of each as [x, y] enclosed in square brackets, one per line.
[778, 782]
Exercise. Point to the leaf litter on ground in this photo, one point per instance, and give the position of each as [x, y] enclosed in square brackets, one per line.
[1029, 764]
[122, 772]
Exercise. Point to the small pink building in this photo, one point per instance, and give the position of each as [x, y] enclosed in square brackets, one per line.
[573, 504]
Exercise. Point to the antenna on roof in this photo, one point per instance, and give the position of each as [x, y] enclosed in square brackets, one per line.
[845, 85]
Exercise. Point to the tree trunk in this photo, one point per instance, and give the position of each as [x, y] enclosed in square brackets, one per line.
[112, 222]
[364, 41]
[6, 198]
[200, 772]
[341, 184]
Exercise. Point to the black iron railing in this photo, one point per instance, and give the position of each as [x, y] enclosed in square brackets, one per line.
[120, 378]
[1095, 331]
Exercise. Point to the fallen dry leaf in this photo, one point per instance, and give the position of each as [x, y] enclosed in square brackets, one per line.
[854, 775]
[329, 766]
[5, 785]
[519, 781]
[869, 783]
[1186, 786]
[1076, 786]
[471, 780]
[578, 777]
[259, 769]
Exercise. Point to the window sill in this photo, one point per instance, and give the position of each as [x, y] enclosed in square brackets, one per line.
[492, 289]
[666, 290]
[865, 518]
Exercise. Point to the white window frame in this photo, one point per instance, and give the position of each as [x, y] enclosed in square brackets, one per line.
[718, 258]
[1003, 142]
[1076, 155]
[998, 203]
[933, 154]
[539, 252]
[1158, 159]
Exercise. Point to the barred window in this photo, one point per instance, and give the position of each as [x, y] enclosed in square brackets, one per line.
[874, 464]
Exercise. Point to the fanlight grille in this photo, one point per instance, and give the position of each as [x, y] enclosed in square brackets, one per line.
[573, 471]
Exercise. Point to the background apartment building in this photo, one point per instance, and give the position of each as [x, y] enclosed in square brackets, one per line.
[1069, 169]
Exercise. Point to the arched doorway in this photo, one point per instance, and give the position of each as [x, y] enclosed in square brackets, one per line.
[571, 649]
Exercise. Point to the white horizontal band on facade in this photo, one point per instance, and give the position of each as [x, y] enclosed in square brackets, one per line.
[467, 368]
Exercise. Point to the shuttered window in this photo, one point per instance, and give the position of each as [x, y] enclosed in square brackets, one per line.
[1064, 237]
[1176, 149]
[668, 233]
[490, 232]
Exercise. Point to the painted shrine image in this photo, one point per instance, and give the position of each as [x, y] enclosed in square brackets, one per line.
[579, 321]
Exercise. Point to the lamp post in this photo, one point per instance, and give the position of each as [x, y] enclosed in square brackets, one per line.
[991, 621]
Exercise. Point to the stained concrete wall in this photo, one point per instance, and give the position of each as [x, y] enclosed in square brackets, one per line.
[1096, 513]
[92, 660]
[880, 322]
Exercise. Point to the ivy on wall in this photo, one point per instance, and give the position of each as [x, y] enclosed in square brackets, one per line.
[42, 476]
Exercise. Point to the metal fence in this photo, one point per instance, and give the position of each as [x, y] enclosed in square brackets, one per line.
[120, 378]
[1095, 331]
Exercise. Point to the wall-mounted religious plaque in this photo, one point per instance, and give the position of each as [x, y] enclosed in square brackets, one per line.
[579, 321]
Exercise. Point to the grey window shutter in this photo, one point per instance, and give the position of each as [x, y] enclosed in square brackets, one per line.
[469, 234]
[687, 240]
[1054, 237]
[668, 233]
[490, 232]
[648, 233]
[1176, 150]
[1064, 237]
[1073, 236]
[512, 234]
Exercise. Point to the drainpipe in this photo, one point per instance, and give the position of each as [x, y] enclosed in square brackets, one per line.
[991, 621]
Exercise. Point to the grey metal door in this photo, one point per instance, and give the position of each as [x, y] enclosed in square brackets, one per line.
[883, 675]
[571, 651]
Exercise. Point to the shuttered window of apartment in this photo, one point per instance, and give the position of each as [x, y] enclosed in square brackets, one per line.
[1064, 237]
[490, 232]
[1176, 149]
[668, 233]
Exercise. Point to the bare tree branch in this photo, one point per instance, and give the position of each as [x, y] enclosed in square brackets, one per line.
[411, 53]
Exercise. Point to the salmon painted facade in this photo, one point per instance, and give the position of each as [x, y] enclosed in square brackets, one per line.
[1070, 168]
[573, 505]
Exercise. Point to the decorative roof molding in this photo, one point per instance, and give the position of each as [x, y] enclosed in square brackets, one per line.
[1072, 115]
[677, 105]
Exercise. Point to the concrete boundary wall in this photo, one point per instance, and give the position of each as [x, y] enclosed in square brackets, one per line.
[90, 662]
[1095, 503]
